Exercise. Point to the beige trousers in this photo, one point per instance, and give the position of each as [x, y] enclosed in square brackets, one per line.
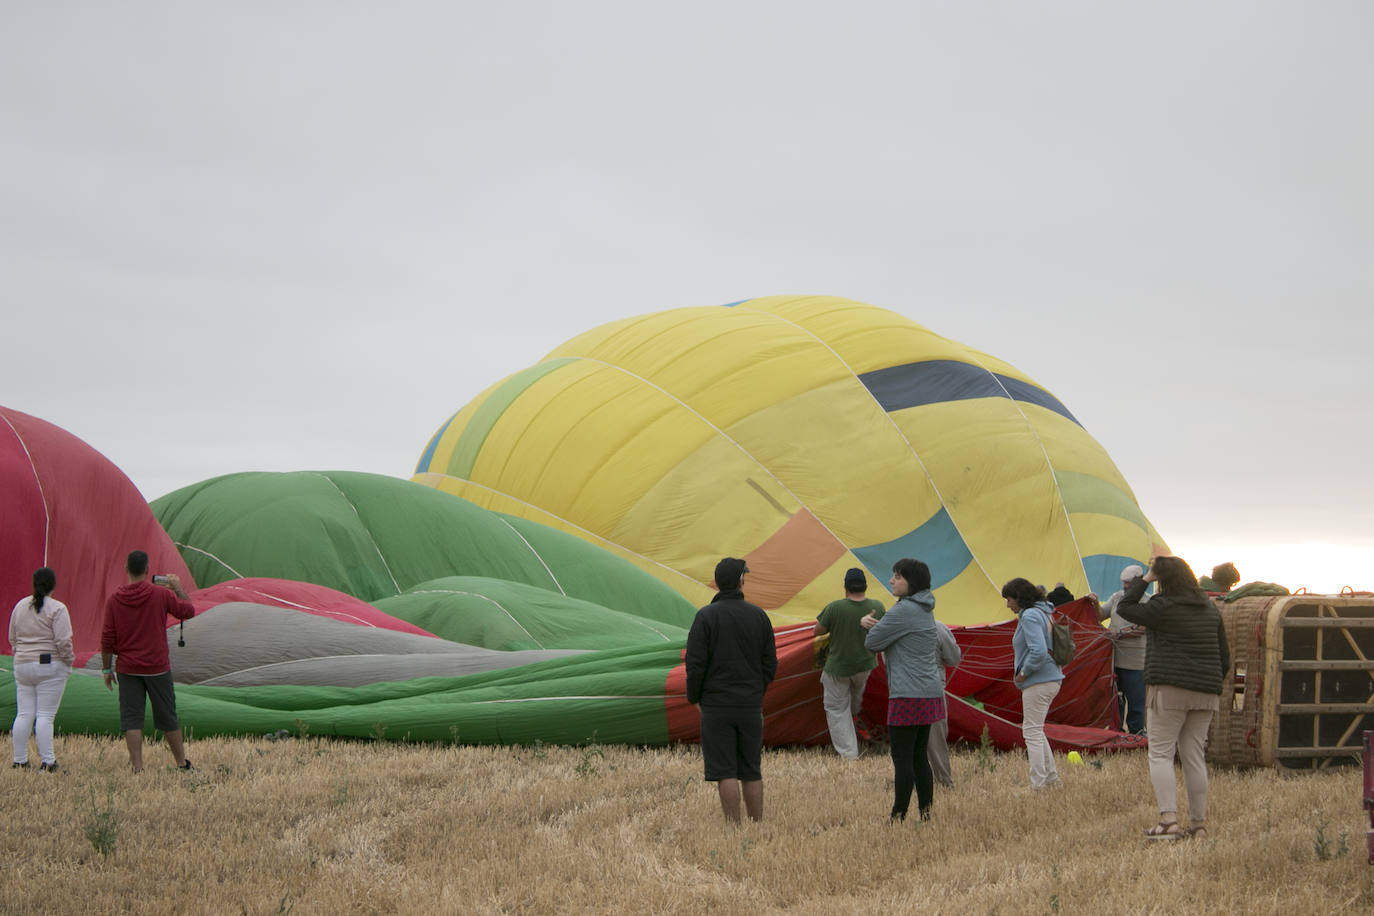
[1035, 705]
[1177, 722]
[843, 697]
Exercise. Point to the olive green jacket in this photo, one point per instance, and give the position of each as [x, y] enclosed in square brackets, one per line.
[1185, 640]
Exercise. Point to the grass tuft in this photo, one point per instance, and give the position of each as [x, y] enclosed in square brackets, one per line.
[101, 825]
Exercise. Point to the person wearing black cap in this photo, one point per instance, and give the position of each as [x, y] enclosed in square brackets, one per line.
[1059, 595]
[730, 660]
[847, 662]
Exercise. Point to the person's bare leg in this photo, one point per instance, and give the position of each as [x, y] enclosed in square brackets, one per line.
[174, 742]
[753, 799]
[133, 740]
[729, 798]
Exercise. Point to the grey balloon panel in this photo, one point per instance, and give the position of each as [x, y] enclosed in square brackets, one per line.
[357, 670]
[231, 641]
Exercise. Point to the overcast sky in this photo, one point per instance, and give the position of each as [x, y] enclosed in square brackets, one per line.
[289, 236]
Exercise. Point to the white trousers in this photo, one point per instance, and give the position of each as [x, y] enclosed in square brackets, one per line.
[37, 693]
[844, 697]
[1035, 705]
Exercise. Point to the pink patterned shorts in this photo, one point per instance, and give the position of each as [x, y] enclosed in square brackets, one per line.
[915, 710]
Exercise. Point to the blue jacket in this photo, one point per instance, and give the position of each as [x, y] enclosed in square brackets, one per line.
[1031, 646]
[908, 637]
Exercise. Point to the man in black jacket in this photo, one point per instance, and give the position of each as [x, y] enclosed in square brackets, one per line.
[730, 660]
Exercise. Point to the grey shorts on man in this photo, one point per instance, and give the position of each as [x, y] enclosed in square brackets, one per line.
[134, 692]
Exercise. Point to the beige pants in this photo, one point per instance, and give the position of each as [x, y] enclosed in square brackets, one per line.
[1035, 705]
[1177, 722]
[843, 697]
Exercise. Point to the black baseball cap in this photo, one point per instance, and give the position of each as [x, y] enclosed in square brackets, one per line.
[729, 571]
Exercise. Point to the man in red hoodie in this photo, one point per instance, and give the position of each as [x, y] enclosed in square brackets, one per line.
[136, 631]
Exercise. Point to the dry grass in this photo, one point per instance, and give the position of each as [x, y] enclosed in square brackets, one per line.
[316, 826]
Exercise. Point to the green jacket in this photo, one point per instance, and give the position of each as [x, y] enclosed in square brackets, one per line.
[1185, 640]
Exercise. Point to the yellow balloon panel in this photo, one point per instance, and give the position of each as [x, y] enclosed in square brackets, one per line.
[720, 366]
[567, 443]
[1005, 503]
[716, 502]
[858, 457]
[970, 599]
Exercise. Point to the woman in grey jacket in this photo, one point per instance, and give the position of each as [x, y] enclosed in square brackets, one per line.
[908, 637]
[1186, 662]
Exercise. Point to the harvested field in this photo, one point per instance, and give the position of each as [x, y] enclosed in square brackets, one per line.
[320, 826]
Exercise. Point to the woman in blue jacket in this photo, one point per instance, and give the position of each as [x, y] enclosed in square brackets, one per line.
[908, 637]
[1036, 675]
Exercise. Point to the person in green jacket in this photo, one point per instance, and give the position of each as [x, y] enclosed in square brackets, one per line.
[1186, 662]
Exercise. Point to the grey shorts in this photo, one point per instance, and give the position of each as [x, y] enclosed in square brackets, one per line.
[134, 692]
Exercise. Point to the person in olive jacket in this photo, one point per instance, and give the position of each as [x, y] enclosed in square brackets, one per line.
[1186, 662]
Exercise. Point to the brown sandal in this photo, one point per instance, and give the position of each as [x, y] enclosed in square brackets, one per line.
[1164, 830]
[1197, 832]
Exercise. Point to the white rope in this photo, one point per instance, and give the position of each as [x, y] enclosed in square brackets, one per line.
[366, 530]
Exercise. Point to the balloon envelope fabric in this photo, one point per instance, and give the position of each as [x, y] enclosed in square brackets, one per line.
[807, 434]
[69, 508]
[375, 537]
[631, 695]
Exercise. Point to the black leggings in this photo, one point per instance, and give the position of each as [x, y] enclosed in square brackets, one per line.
[910, 767]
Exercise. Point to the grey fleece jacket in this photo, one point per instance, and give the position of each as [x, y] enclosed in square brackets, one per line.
[908, 637]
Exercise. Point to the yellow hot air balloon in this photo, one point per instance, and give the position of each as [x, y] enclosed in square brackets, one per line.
[807, 434]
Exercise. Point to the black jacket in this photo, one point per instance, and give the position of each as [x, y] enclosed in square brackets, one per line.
[1059, 595]
[1185, 640]
[731, 656]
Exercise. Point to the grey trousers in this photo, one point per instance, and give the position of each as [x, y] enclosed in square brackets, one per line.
[937, 752]
[843, 697]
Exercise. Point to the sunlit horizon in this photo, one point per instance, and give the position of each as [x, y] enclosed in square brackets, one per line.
[1319, 567]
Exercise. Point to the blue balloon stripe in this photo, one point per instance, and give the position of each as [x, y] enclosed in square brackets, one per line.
[937, 543]
[428, 456]
[937, 381]
[1030, 394]
[1104, 572]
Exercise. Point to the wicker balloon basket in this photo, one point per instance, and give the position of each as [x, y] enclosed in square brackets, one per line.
[1302, 689]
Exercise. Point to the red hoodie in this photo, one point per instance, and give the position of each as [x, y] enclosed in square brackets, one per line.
[136, 626]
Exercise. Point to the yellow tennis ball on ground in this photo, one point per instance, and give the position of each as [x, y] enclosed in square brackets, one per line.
[1075, 757]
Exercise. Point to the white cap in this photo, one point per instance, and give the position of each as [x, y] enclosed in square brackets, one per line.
[1131, 572]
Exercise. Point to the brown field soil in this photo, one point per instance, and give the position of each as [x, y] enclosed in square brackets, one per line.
[320, 826]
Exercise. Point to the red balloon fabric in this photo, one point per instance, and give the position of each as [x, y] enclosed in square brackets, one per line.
[980, 694]
[300, 596]
[1083, 716]
[69, 508]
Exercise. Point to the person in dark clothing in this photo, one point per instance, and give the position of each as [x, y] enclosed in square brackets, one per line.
[730, 660]
[1223, 578]
[1059, 595]
[1186, 662]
